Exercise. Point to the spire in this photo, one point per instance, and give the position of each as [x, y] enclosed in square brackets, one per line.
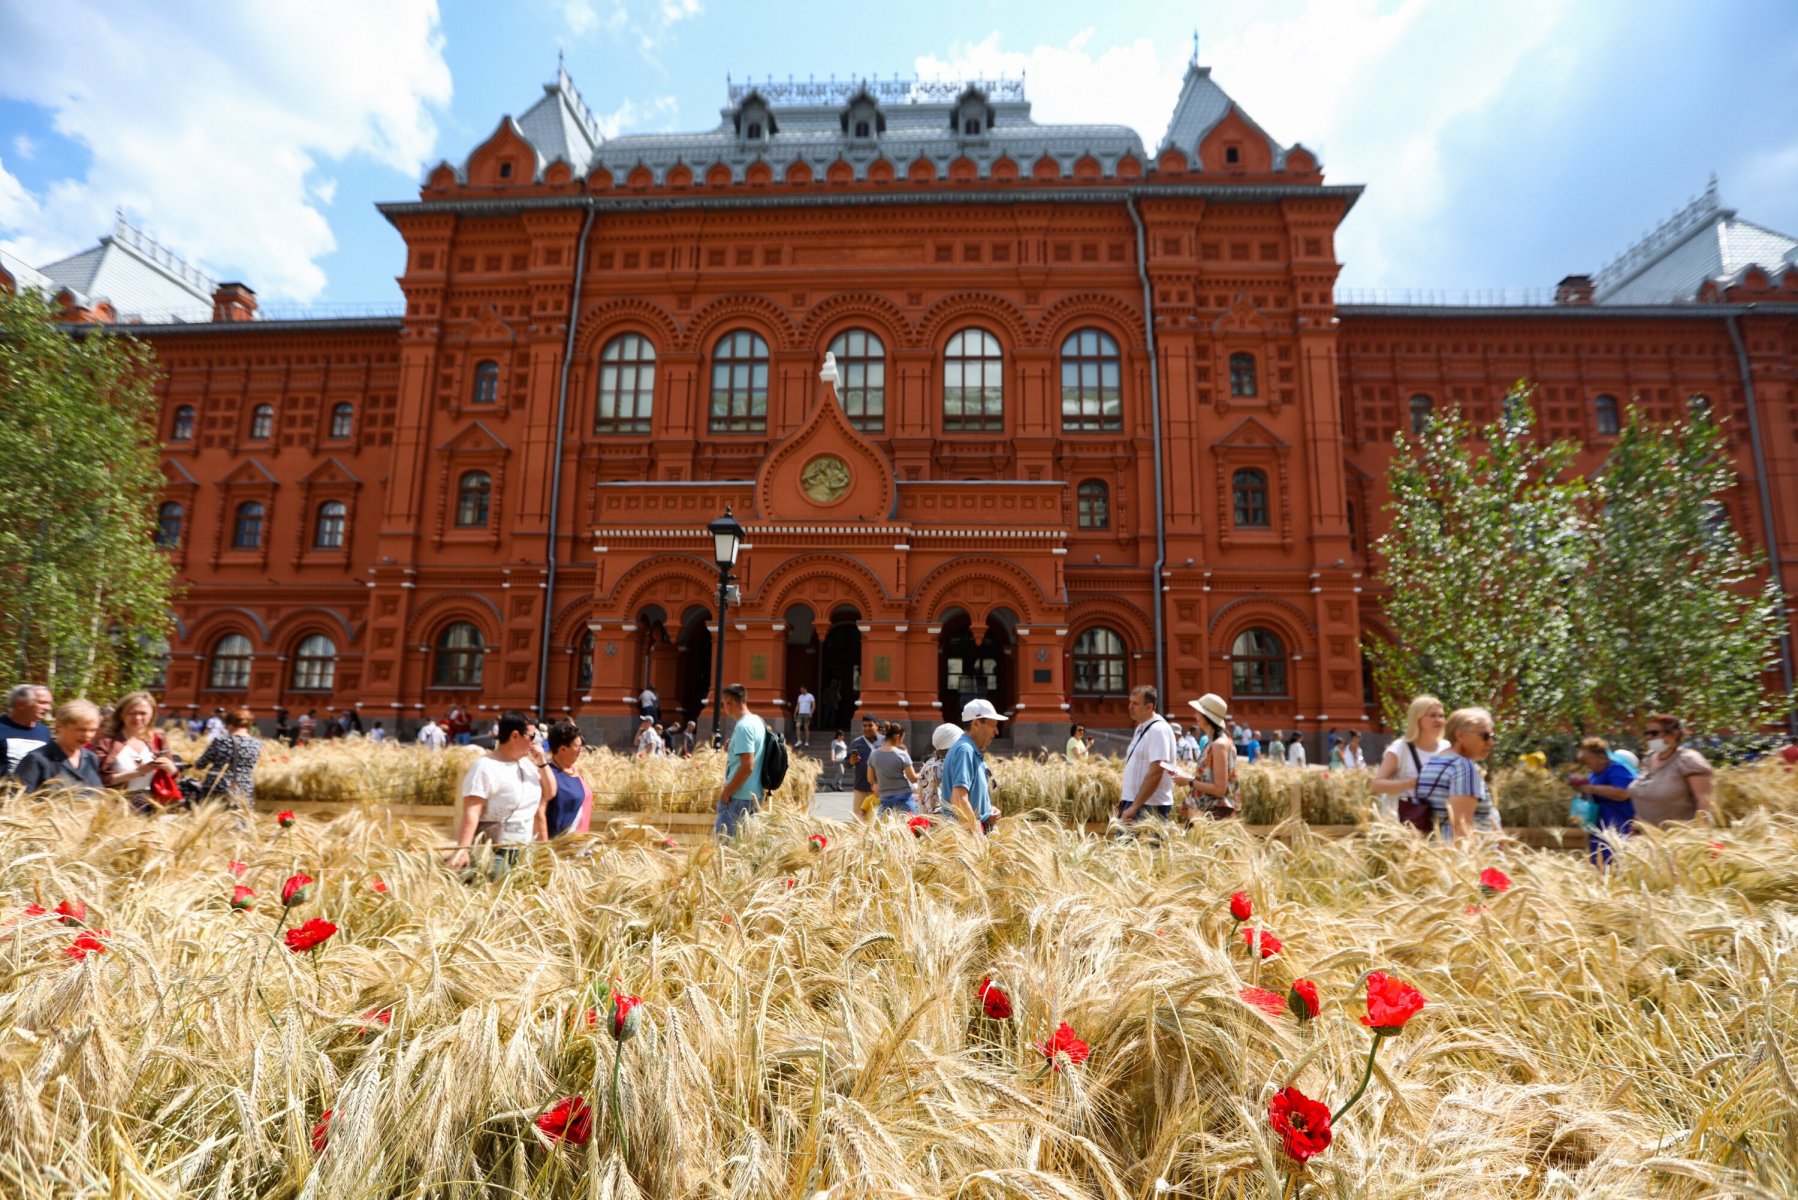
[1195, 47]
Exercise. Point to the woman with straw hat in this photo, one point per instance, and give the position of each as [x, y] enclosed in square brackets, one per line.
[1214, 791]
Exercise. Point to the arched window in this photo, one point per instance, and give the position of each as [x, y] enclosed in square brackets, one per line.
[973, 383]
[740, 384]
[1249, 487]
[862, 378]
[457, 662]
[583, 661]
[343, 420]
[246, 531]
[1258, 664]
[1100, 665]
[472, 495]
[230, 669]
[183, 428]
[486, 382]
[262, 422]
[1242, 375]
[1421, 408]
[1091, 390]
[1093, 502]
[315, 664]
[327, 531]
[1604, 416]
[168, 524]
[627, 384]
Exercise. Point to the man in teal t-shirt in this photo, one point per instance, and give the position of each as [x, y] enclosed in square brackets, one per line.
[742, 762]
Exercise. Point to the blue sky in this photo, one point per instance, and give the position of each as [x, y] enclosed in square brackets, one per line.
[1502, 145]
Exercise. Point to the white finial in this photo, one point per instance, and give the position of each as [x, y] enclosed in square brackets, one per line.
[1195, 45]
[828, 373]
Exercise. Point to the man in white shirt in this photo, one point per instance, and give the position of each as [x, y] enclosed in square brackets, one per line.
[649, 742]
[502, 796]
[649, 704]
[378, 733]
[1147, 785]
[431, 736]
[802, 714]
[1186, 746]
[215, 724]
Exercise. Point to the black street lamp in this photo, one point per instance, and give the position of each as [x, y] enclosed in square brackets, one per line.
[727, 539]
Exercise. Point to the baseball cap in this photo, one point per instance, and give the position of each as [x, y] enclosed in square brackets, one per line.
[975, 710]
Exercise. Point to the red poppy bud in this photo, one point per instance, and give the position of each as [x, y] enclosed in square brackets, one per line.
[1390, 1003]
[1302, 1123]
[297, 890]
[376, 1019]
[1493, 881]
[72, 912]
[236, 868]
[377, 884]
[568, 1120]
[994, 1002]
[627, 1015]
[790, 884]
[1302, 1000]
[919, 825]
[1240, 908]
[321, 1132]
[818, 842]
[285, 819]
[242, 898]
[669, 844]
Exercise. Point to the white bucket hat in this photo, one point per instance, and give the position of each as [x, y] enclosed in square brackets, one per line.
[1212, 707]
[974, 710]
[945, 736]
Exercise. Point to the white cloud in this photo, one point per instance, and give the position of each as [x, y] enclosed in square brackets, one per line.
[646, 22]
[24, 147]
[653, 116]
[208, 122]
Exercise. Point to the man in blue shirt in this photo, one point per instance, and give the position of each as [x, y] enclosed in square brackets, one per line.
[965, 794]
[742, 763]
[22, 727]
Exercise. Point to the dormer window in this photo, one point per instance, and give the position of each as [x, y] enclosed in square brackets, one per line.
[972, 116]
[1232, 154]
[505, 170]
[861, 118]
[755, 120]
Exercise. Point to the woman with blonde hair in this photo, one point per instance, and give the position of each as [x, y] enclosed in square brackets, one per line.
[131, 751]
[1452, 784]
[1396, 781]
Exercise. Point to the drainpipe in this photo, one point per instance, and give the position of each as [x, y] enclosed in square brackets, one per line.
[555, 466]
[1148, 321]
[1760, 478]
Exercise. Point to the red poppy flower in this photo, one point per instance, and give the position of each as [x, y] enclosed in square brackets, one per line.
[1716, 849]
[1302, 1123]
[1302, 1000]
[72, 912]
[1240, 908]
[321, 1132]
[376, 1017]
[669, 844]
[242, 898]
[919, 825]
[591, 1017]
[297, 890]
[377, 884]
[1390, 1003]
[818, 841]
[1493, 881]
[285, 819]
[236, 868]
[35, 910]
[568, 1120]
[310, 936]
[86, 943]
[1064, 1042]
[1271, 1003]
[993, 1001]
[1270, 945]
[627, 1014]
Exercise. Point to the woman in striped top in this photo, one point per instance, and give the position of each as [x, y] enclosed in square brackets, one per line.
[1452, 783]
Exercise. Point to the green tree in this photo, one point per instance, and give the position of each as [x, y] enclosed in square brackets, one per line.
[1483, 563]
[83, 586]
[1677, 616]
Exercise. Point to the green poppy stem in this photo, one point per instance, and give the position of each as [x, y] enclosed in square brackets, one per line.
[1365, 1076]
[624, 1146]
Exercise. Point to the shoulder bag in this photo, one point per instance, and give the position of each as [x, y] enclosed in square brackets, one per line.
[1413, 810]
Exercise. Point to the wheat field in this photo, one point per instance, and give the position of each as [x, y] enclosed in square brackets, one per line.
[812, 1021]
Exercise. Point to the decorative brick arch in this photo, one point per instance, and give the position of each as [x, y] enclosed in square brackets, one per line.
[635, 588]
[972, 308]
[1116, 614]
[1095, 309]
[1282, 616]
[759, 312]
[779, 590]
[436, 612]
[313, 617]
[206, 628]
[601, 323]
[1015, 590]
[571, 621]
[876, 310]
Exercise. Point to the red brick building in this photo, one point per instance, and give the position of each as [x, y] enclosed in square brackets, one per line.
[1103, 419]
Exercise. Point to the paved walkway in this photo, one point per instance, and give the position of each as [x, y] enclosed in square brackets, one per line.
[832, 806]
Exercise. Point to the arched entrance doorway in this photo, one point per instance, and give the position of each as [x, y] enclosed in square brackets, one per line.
[693, 659]
[840, 670]
[977, 664]
[802, 658]
[657, 658]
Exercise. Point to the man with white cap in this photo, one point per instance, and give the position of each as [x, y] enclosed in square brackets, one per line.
[1147, 784]
[929, 787]
[965, 794]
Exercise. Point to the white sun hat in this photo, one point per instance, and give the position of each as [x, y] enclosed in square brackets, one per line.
[946, 735]
[974, 710]
[1212, 705]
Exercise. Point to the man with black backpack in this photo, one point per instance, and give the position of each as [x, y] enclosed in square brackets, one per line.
[756, 762]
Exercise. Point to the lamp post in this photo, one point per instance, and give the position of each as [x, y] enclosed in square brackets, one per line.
[727, 539]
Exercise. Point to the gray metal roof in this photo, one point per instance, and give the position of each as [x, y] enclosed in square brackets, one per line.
[1701, 242]
[138, 276]
[1202, 104]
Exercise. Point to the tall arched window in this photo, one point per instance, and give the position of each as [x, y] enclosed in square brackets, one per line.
[862, 382]
[315, 664]
[182, 430]
[973, 383]
[457, 662]
[262, 422]
[1421, 408]
[230, 668]
[1093, 502]
[1249, 488]
[740, 384]
[246, 530]
[1091, 383]
[627, 384]
[472, 494]
[1604, 416]
[1242, 375]
[327, 530]
[1258, 664]
[583, 661]
[1100, 664]
[486, 382]
[168, 524]
[343, 421]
